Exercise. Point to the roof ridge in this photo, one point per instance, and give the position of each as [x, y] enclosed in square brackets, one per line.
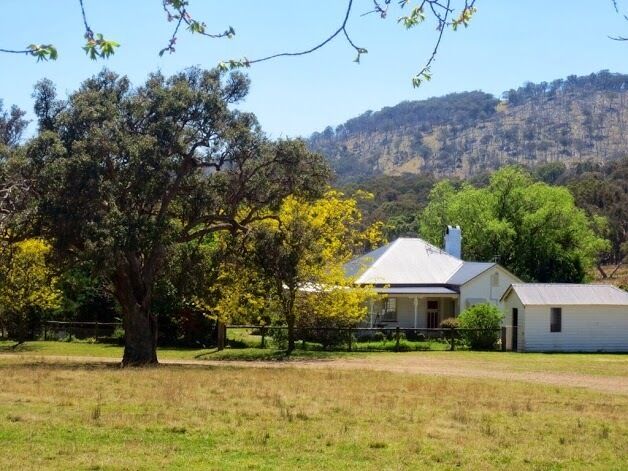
[566, 284]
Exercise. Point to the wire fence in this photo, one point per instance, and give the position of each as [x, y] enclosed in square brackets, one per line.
[361, 338]
[60, 330]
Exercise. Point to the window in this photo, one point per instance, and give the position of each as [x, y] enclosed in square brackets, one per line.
[556, 321]
[390, 310]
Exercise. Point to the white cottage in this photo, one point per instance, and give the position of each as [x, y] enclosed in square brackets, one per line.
[424, 284]
[566, 317]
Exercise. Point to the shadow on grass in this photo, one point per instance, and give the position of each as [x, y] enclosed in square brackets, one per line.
[11, 347]
[269, 354]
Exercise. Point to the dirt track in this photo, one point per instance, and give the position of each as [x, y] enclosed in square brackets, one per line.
[420, 365]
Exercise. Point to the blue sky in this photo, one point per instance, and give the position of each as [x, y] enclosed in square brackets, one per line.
[508, 43]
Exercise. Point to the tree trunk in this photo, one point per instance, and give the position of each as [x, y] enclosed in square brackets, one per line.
[140, 337]
[290, 322]
[288, 306]
[134, 294]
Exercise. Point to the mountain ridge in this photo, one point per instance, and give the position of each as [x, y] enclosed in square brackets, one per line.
[461, 134]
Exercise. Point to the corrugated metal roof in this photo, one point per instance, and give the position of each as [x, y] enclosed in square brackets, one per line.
[406, 261]
[532, 294]
[468, 271]
[357, 265]
[417, 290]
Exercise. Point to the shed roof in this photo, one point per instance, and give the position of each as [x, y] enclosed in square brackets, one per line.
[567, 294]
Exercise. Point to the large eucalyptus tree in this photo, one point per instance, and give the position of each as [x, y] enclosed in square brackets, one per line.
[123, 175]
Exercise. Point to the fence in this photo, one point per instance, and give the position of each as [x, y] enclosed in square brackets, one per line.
[354, 338]
[57, 330]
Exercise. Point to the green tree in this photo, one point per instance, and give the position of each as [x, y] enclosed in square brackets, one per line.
[125, 175]
[27, 286]
[531, 228]
[603, 190]
[484, 322]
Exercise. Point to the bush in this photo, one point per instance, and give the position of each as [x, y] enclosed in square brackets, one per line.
[449, 323]
[186, 326]
[118, 335]
[379, 337]
[481, 316]
[280, 338]
[328, 332]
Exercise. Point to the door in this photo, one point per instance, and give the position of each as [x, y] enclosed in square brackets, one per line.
[433, 314]
[515, 325]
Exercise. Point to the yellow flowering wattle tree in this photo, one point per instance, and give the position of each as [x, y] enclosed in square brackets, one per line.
[27, 285]
[292, 267]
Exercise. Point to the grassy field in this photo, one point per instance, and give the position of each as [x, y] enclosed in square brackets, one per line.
[103, 350]
[64, 415]
[589, 364]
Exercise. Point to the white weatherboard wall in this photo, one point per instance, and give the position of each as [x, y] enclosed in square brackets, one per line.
[584, 329]
[482, 290]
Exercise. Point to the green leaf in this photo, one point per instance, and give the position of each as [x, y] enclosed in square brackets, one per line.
[43, 52]
[415, 17]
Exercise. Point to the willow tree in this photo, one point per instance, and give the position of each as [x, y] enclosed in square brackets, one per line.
[123, 175]
[534, 229]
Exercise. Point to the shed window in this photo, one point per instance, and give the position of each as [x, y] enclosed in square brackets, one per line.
[556, 319]
[390, 310]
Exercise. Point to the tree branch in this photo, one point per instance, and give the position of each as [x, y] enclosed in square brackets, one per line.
[180, 13]
[341, 29]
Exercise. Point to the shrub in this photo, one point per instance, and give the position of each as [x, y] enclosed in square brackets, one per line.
[280, 338]
[379, 337]
[329, 332]
[449, 323]
[118, 335]
[486, 317]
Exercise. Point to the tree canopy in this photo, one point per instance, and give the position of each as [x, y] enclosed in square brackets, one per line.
[533, 229]
[27, 285]
[123, 175]
[293, 265]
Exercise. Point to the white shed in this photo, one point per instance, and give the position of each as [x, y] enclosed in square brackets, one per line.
[566, 318]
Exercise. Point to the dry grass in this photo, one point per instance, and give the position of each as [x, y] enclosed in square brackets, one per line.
[63, 415]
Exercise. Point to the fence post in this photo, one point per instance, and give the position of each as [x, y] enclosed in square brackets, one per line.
[45, 331]
[263, 330]
[96, 331]
[397, 339]
[453, 339]
[503, 339]
[350, 338]
[221, 331]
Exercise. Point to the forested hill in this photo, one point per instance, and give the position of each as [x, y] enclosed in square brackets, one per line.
[461, 134]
